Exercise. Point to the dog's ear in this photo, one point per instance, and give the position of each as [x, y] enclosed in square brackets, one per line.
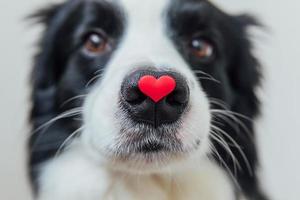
[51, 57]
[243, 67]
[42, 77]
[48, 66]
[45, 15]
[244, 73]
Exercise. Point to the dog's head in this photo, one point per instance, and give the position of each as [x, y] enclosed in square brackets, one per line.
[94, 57]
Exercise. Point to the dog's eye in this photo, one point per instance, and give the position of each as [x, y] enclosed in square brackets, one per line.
[95, 42]
[201, 48]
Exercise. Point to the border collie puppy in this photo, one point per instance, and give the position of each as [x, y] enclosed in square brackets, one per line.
[144, 100]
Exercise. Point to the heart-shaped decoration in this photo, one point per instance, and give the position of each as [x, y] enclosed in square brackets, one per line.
[156, 89]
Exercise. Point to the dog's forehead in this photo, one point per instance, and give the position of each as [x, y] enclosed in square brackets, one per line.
[154, 10]
[145, 9]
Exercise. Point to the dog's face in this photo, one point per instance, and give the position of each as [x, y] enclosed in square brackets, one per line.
[125, 126]
[96, 52]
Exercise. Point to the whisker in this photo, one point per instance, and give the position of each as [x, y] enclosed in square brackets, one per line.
[67, 140]
[223, 105]
[43, 128]
[223, 143]
[72, 99]
[233, 177]
[66, 114]
[229, 122]
[77, 119]
[93, 79]
[219, 103]
[208, 76]
[233, 116]
[99, 71]
[237, 146]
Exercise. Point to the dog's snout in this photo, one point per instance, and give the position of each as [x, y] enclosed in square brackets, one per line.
[154, 97]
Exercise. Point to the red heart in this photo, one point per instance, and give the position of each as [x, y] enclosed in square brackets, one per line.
[156, 89]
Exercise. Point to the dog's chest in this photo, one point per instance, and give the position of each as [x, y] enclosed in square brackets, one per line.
[75, 177]
[208, 184]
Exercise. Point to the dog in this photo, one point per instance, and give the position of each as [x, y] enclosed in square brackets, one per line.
[151, 99]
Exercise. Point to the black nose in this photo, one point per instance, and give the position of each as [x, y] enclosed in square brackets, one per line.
[142, 108]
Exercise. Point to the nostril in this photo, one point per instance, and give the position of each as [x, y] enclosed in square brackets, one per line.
[133, 95]
[172, 100]
[137, 101]
[179, 97]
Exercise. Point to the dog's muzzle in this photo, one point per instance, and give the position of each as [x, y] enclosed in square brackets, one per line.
[154, 97]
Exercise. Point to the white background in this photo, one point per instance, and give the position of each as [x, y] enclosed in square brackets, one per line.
[278, 48]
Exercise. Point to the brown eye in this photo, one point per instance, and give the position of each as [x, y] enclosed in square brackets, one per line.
[202, 48]
[95, 43]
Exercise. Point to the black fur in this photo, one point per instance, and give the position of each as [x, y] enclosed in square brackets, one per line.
[61, 71]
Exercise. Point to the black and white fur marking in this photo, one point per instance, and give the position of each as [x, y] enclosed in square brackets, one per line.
[83, 145]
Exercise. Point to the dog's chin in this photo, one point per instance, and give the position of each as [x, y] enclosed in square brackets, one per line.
[145, 149]
[148, 163]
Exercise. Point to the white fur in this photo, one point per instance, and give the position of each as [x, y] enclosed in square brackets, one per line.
[85, 171]
[75, 176]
